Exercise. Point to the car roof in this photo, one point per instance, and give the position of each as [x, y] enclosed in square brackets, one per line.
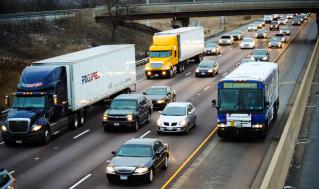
[159, 86]
[141, 141]
[129, 96]
[178, 104]
[260, 50]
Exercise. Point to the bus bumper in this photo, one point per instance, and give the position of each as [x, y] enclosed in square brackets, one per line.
[235, 131]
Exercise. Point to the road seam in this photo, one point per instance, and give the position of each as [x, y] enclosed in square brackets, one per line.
[80, 181]
[77, 136]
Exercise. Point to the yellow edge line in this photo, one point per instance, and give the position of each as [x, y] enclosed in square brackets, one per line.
[188, 159]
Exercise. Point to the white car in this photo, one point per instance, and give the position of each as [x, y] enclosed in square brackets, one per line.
[226, 39]
[247, 43]
[282, 21]
[252, 27]
[177, 117]
[289, 16]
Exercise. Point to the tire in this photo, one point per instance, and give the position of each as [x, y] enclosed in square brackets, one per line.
[75, 121]
[149, 117]
[171, 74]
[150, 177]
[46, 136]
[135, 128]
[187, 130]
[148, 77]
[165, 165]
[81, 118]
[195, 123]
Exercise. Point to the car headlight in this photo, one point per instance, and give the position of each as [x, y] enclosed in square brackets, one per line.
[110, 170]
[36, 127]
[257, 126]
[210, 71]
[159, 122]
[182, 123]
[105, 117]
[141, 170]
[161, 101]
[130, 117]
[197, 70]
[4, 128]
[264, 58]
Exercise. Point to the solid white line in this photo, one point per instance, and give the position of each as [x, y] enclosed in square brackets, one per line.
[140, 80]
[1, 143]
[77, 136]
[188, 74]
[12, 172]
[286, 83]
[145, 134]
[80, 181]
[206, 88]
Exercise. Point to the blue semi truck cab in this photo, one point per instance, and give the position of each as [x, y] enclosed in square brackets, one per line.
[39, 107]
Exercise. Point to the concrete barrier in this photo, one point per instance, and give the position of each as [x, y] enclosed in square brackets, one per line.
[278, 168]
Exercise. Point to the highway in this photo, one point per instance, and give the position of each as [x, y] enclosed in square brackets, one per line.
[77, 159]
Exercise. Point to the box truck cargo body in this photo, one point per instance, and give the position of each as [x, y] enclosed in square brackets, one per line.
[55, 94]
[171, 49]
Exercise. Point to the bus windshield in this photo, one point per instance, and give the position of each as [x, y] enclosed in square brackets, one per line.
[29, 102]
[238, 100]
[159, 54]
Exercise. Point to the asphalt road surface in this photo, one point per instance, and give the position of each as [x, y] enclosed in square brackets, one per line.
[77, 159]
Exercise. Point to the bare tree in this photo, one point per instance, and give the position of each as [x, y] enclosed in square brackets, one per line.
[117, 10]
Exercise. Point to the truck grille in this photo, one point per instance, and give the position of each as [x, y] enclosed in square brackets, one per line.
[156, 65]
[19, 125]
[117, 118]
[124, 170]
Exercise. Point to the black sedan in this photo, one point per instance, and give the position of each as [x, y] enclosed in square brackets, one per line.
[160, 95]
[138, 159]
[260, 55]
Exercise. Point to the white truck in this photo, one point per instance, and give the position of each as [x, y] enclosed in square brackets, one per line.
[55, 94]
[171, 49]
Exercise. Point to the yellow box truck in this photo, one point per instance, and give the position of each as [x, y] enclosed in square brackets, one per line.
[172, 49]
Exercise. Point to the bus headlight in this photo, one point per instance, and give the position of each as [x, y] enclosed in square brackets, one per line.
[36, 127]
[222, 125]
[257, 126]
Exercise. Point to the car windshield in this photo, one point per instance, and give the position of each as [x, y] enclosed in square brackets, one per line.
[29, 102]
[235, 100]
[259, 52]
[213, 45]
[206, 64]
[280, 35]
[123, 104]
[275, 39]
[159, 54]
[247, 40]
[135, 151]
[4, 179]
[174, 111]
[225, 37]
[156, 91]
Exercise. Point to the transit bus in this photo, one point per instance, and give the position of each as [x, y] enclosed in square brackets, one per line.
[248, 99]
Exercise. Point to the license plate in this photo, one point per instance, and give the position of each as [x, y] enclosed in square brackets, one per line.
[156, 75]
[18, 141]
[169, 128]
[203, 73]
[123, 177]
[116, 124]
[232, 123]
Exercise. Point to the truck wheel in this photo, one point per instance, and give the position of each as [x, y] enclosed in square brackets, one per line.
[75, 121]
[171, 74]
[81, 118]
[46, 136]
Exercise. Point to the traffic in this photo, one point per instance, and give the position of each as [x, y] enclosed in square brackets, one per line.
[247, 96]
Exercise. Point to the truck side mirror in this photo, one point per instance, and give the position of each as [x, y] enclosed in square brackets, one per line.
[6, 101]
[144, 93]
[113, 152]
[147, 53]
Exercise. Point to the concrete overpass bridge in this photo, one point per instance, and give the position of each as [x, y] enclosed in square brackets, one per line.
[182, 10]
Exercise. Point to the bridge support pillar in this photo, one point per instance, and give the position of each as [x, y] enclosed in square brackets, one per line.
[180, 22]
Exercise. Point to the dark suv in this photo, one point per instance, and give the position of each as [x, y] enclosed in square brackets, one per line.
[274, 25]
[128, 110]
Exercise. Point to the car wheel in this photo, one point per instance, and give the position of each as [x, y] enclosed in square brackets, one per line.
[187, 130]
[46, 136]
[135, 128]
[165, 166]
[195, 123]
[74, 121]
[150, 176]
[171, 74]
[107, 128]
[149, 118]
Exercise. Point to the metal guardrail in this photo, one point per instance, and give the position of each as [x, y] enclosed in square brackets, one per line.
[141, 62]
[38, 15]
[278, 168]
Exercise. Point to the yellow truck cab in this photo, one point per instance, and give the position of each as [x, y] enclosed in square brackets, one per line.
[172, 49]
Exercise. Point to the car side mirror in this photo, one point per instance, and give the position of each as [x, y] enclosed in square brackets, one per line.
[214, 103]
[113, 152]
[144, 93]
